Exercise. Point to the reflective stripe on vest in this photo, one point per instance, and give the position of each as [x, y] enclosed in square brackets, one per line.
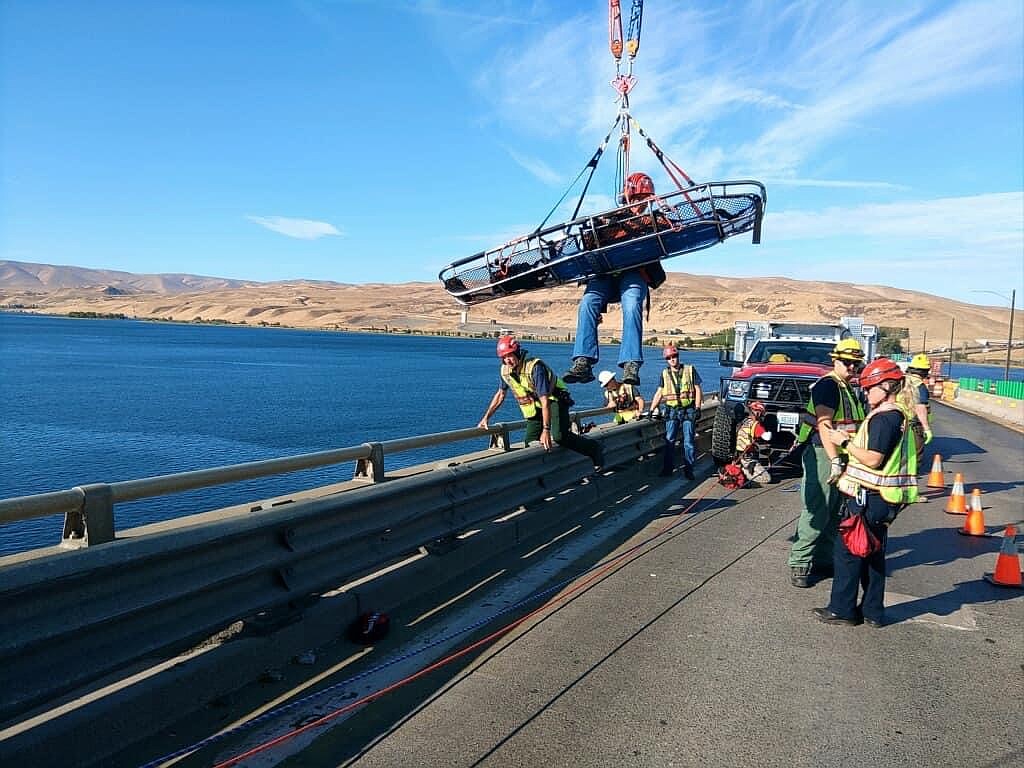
[678, 390]
[624, 401]
[848, 415]
[522, 387]
[897, 480]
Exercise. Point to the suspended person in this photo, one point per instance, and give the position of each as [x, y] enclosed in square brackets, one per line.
[543, 399]
[915, 398]
[629, 287]
[833, 405]
[624, 398]
[680, 389]
[880, 479]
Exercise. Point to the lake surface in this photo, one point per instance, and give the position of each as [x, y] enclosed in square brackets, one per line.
[84, 401]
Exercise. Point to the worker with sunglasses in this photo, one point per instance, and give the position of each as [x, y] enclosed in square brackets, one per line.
[833, 405]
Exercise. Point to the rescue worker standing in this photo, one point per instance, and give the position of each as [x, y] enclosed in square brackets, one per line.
[680, 388]
[914, 397]
[880, 479]
[543, 399]
[833, 404]
[624, 398]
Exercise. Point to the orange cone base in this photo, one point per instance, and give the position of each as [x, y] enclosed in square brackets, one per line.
[963, 532]
[949, 512]
[990, 578]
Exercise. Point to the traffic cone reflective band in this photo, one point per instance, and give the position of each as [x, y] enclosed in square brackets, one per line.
[957, 504]
[974, 525]
[1007, 563]
[935, 477]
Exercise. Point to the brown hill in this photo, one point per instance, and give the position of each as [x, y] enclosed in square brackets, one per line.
[687, 305]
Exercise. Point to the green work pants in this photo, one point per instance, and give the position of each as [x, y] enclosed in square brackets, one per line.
[819, 521]
[561, 431]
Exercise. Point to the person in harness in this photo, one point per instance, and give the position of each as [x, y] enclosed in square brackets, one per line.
[680, 389]
[879, 481]
[543, 399]
[629, 287]
[746, 467]
[624, 398]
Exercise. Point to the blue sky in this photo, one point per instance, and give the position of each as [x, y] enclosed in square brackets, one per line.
[379, 141]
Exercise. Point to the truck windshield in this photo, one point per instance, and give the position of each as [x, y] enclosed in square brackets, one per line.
[791, 352]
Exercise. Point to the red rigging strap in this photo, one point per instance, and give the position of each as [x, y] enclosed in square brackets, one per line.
[615, 28]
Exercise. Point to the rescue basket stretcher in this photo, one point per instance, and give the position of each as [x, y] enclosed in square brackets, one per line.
[623, 238]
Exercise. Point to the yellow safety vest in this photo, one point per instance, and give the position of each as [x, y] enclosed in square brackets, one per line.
[847, 417]
[522, 386]
[897, 480]
[624, 401]
[677, 389]
[909, 394]
[745, 434]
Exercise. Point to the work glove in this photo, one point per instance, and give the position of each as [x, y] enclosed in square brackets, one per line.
[835, 470]
[766, 436]
[927, 436]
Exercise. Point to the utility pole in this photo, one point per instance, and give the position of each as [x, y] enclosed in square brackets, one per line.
[1009, 337]
[952, 323]
[924, 341]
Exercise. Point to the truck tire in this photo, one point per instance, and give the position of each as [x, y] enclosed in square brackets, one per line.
[723, 436]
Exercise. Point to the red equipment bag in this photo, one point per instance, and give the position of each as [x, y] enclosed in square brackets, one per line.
[731, 476]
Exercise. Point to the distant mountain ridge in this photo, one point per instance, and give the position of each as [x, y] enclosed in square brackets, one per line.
[687, 304]
[49, 277]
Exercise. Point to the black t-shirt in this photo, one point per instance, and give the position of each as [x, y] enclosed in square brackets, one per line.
[884, 433]
[825, 392]
[922, 394]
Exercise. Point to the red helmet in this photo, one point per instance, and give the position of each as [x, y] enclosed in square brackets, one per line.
[877, 371]
[669, 351]
[756, 408]
[638, 185]
[507, 345]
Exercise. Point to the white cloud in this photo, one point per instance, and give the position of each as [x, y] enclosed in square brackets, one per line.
[535, 167]
[303, 229]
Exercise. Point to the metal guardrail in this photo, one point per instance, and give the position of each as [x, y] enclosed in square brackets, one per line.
[89, 509]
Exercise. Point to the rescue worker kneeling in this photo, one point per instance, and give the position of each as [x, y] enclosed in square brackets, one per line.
[748, 433]
[879, 480]
[624, 398]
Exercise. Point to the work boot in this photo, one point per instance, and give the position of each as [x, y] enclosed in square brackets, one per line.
[827, 617]
[599, 458]
[800, 576]
[631, 372]
[580, 373]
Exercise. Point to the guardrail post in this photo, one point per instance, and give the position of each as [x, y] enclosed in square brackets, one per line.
[371, 468]
[500, 439]
[93, 522]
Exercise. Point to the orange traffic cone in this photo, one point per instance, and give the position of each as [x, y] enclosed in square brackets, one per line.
[935, 477]
[1007, 563]
[957, 504]
[974, 525]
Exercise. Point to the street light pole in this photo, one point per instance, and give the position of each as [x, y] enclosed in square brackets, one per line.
[1009, 337]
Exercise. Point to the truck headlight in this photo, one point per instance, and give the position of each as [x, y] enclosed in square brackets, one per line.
[738, 389]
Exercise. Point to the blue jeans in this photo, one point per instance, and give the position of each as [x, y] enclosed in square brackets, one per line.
[679, 419]
[628, 288]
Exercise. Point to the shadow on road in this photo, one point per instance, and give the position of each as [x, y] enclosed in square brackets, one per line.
[946, 603]
[937, 546]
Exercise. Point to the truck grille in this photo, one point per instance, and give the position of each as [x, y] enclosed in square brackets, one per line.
[777, 389]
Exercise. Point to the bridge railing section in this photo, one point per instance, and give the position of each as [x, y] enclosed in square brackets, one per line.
[71, 618]
[1014, 389]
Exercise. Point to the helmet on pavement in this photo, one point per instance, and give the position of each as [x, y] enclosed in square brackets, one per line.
[756, 408]
[878, 371]
[604, 377]
[638, 185]
[508, 345]
[848, 350]
[670, 351]
[920, 362]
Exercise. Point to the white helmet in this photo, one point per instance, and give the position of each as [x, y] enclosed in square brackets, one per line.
[604, 377]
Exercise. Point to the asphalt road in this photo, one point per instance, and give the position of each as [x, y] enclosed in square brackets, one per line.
[696, 651]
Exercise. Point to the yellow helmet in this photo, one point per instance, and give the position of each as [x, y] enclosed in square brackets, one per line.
[778, 357]
[847, 349]
[920, 362]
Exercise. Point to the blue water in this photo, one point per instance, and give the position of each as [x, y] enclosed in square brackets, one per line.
[84, 401]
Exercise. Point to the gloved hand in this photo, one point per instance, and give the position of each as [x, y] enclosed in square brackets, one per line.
[835, 470]
[766, 436]
[927, 436]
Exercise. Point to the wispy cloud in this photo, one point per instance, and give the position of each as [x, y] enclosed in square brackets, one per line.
[303, 229]
[537, 168]
[835, 184]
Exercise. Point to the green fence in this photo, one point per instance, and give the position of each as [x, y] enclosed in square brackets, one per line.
[1014, 389]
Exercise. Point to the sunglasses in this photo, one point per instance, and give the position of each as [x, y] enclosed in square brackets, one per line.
[853, 365]
[672, 357]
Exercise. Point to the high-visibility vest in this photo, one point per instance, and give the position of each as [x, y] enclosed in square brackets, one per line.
[747, 432]
[848, 415]
[624, 401]
[677, 388]
[522, 386]
[896, 481]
